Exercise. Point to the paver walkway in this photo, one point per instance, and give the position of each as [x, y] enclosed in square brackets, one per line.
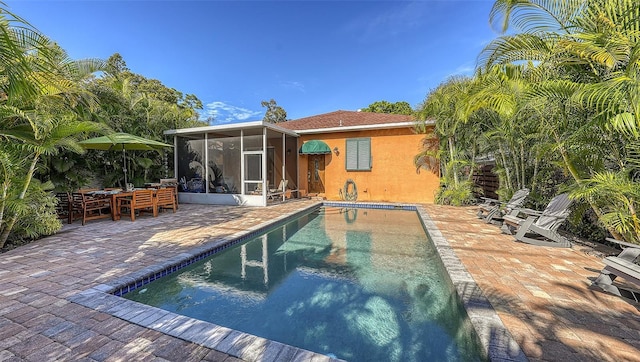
[541, 294]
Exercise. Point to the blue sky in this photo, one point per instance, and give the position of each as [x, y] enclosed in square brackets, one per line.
[311, 57]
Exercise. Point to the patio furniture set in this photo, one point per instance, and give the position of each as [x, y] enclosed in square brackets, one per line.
[92, 204]
[540, 228]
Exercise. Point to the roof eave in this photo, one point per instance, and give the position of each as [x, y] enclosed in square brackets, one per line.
[360, 128]
[230, 127]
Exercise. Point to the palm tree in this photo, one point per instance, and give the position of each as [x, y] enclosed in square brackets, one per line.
[39, 114]
[442, 104]
[587, 54]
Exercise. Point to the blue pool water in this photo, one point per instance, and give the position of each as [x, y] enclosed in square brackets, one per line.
[360, 284]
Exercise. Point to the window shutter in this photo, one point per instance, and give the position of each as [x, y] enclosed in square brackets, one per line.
[352, 155]
[358, 157]
[364, 154]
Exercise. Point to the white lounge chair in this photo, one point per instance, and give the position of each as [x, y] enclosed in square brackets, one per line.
[540, 224]
[624, 265]
[279, 191]
[492, 210]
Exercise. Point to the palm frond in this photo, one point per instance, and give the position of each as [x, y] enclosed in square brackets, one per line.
[535, 16]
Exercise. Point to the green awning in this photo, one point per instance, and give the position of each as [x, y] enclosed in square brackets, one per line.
[314, 147]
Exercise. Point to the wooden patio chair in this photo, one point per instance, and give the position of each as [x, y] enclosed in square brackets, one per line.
[171, 183]
[141, 201]
[492, 210]
[63, 206]
[89, 207]
[165, 199]
[540, 228]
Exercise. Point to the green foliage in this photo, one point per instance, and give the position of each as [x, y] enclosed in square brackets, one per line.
[131, 103]
[49, 102]
[457, 140]
[456, 195]
[584, 223]
[555, 103]
[391, 108]
[36, 217]
[619, 197]
[274, 113]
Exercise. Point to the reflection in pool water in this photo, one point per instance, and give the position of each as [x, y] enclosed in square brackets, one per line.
[358, 284]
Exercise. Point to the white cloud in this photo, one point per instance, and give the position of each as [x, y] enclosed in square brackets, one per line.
[465, 69]
[293, 85]
[406, 17]
[224, 113]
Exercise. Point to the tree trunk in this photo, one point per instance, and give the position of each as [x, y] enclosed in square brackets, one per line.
[5, 192]
[516, 166]
[522, 163]
[452, 159]
[507, 174]
[534, 178]
[473, 164]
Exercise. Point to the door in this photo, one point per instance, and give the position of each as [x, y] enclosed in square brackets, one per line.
[315, 175]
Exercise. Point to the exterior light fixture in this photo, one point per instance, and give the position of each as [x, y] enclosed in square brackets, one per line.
[336, 150]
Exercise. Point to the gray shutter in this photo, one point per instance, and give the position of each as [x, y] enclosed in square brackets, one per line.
[364, 154]
[352, 155]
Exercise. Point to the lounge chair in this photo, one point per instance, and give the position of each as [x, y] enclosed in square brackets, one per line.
[282, 187]
[624, 265]
[540, 224]
[493, 210]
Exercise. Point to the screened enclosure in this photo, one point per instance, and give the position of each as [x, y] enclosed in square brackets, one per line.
[238, 164]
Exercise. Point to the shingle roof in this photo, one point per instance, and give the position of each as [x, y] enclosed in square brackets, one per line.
[344, 119]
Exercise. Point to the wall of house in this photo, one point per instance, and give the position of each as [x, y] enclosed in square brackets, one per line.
[393, 177]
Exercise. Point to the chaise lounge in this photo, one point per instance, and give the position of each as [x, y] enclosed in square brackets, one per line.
[492, 210]
[279, 191]
[623, 265]
[540, 228]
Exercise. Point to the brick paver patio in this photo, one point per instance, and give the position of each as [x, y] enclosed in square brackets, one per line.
[541, 294]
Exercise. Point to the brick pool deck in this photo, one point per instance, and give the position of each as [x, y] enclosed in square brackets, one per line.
[541, 294]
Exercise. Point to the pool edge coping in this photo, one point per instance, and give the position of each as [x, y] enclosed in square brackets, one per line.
[495, 338]
[496, 341]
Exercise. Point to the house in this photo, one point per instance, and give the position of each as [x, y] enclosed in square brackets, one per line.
[374, 150]
[342, 155]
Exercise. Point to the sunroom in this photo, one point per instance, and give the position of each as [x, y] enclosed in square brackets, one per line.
[248, 163]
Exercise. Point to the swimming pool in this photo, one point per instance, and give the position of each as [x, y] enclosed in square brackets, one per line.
[360, 284]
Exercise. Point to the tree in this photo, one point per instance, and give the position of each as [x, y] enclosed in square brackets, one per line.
[390, 108]
[274, 113]
[116, 65]
[132, 103]
[48, 103]
[457, 145]
[40, 122]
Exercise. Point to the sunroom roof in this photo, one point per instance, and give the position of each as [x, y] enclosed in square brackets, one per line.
[231, 127]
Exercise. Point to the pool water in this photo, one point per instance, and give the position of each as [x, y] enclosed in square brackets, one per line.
[358, 284]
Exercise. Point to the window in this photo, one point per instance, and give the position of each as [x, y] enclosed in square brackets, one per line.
[358, 154]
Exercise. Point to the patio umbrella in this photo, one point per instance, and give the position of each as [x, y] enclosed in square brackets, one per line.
[124, 142]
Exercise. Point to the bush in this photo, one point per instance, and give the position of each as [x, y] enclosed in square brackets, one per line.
[39, 220]
[456, 195]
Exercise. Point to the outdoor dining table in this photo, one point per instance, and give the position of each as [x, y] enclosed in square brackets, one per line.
[115, 195]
